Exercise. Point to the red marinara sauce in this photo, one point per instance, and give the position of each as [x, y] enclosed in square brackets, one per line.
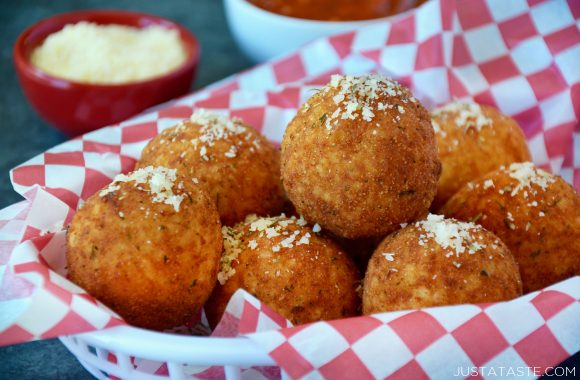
[336, 10]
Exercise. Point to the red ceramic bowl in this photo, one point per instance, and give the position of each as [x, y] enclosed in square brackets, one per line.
[76, 108]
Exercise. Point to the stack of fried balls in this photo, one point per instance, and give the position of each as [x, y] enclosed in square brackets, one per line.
[388, 207]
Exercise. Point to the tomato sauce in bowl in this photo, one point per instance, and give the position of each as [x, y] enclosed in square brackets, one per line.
[336, 10]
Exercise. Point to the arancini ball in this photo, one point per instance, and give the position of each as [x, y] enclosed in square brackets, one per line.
[148, 246]
[303, 276]
[359, 157]
[236, 164]
[473, 140]
[436, 262]
[536, 214]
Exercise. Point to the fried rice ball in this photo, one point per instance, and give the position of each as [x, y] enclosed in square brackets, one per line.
[360, 157]
[148, 246]
[473, 140]
[237, 165]
[303, 276]
[536, 214]
[438, 262]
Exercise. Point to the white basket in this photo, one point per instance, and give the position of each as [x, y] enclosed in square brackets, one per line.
[179, 352]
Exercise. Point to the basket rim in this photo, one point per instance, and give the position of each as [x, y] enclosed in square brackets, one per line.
[195, 350]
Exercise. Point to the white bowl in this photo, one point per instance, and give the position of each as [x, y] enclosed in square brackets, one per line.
[263, 35]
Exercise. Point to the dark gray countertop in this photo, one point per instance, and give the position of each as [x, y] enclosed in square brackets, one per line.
[24, 134]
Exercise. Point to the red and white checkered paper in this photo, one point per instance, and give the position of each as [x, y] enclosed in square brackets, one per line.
[519, 56]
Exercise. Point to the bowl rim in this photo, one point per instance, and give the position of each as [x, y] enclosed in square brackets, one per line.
[311, 22]
[25, 67]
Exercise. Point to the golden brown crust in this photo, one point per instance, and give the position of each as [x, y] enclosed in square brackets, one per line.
[154, 266]
[246, 183]
[360, 178]
[468, 152]
[542, 230]
[418, 276]
[304, 283]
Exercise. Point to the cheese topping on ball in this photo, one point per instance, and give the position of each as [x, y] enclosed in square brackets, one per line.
[530, 182]
[527, 175]
[160, 181]
[215, 127]
[232, 249]
[488, 183]
[389, 256]
[454, 236]
[469, 115]
[358, 97]
[268, 227]
[277, 226]
[437, 128]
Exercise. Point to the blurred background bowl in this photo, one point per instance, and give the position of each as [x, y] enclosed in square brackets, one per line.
[262, 34]
[76, 108]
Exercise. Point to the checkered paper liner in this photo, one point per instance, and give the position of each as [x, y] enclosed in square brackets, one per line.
[519, 56]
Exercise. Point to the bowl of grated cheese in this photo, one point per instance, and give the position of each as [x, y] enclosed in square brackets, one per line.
[84, 70]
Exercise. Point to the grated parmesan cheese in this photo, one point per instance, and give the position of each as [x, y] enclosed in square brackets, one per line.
[509, 221]
[469, 115]
[215, 127]
[527, 175]
[108, 54]
[357, 97]
[304, 239]
[437, 128]
[232, 249]
[389, 256]
[271, 227]
[159, 179]
[232, 152]
[453, 236]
